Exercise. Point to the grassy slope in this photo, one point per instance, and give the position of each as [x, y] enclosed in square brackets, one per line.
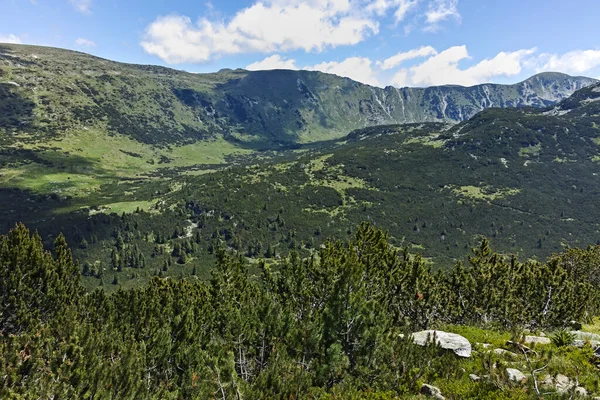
[82, 136]
[525, 179]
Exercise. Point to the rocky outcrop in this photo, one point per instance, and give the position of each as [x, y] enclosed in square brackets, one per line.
[449, 341]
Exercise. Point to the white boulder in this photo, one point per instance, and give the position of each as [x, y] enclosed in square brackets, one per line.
[449, 341]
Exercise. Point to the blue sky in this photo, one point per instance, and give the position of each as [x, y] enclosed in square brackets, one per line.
[380, 42]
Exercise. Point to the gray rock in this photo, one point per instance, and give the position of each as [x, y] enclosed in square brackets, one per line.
[474, 377]
[581, 391]
[563, 383]
[432, 391]
[503, 352]
[449, 341]
[547, 382]
[515, 375]
[580, 335]
[580, 343]
[537, 340]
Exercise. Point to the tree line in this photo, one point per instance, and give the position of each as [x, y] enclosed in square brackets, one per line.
[325, 326]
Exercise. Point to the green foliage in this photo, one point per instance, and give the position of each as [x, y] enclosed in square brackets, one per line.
[35, 286]
[335, 325]
[562, 338]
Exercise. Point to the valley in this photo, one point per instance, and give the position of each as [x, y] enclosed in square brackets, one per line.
[294, 234]
[142, 152]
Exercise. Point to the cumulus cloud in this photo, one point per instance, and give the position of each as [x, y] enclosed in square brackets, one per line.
[443, 68]
[357, 68]
[83, 6]
[403, 56]
[573, 62]
[10, 38]
[277, 25]
[273, 62]
[84, 42]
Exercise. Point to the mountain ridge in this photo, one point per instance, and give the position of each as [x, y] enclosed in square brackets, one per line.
[59, 90]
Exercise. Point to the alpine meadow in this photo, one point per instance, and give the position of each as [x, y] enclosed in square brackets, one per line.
[353, 206]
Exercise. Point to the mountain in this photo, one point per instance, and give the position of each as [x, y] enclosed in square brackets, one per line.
[47, 92]
[526, 178]
[133, 160]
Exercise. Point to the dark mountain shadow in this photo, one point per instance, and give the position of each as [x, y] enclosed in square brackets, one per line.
[56, 211]
[16, 111]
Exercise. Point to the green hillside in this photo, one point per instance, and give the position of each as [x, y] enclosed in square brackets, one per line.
[524, 178]
[47, 93]
[139, 165]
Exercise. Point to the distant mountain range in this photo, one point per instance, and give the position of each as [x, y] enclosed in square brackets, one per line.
[47, 92]
[90, 147]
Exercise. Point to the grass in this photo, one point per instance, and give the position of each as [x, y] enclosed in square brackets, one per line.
[430, 140]
[496, 338]
[125, 207]
[332, 176]
[593, 327]
[37, 178]
[530, 150]
[487, 193]
[81, 161]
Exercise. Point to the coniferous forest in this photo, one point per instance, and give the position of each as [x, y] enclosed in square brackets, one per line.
[335, 325]
[294, 235]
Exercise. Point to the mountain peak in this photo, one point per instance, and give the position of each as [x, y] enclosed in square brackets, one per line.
[557, 76]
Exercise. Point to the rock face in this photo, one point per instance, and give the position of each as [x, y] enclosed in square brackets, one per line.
[515, 375]
[449, 341]
[432, 391]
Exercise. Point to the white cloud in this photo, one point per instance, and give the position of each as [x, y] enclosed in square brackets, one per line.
[273, 62]
[401, 57]
[402, 7]
[84, 42]
[357, 68]
[10, 38]
[400, 78]
[441, 10]
[83, 6]
[270, 26]
[443, 68]
[573, 62]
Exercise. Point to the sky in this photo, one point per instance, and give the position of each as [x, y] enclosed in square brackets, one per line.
[378, 42]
